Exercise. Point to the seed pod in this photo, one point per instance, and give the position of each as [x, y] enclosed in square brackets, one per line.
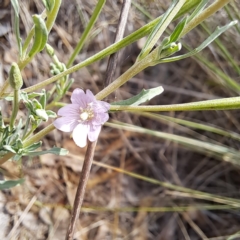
[15, 77]
[41, 35]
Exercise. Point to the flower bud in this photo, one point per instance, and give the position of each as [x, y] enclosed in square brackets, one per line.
[50, 50]
[41, 113]
[15, 77]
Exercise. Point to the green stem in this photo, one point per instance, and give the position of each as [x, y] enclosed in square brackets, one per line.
[15, 108]
[204, 15]
[86, 32]
[216, 104]
[37, 137]
[132, 71]
[51, 17]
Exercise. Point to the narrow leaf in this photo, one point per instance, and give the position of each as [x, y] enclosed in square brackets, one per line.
[10, 183]
[54, 150]
[143, 96]
[178, 30]
[16, 25]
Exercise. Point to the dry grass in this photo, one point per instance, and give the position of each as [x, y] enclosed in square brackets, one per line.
[119, 205]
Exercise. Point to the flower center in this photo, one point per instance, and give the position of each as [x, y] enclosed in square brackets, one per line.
[86, 114]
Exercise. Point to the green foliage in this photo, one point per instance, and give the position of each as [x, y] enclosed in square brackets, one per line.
[6, 184]
[143, 96]
[16, 25]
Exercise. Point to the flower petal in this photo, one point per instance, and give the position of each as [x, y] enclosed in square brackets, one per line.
[100, 118]
[69, 110]
[80, 133]
[65, 124]
[90, 97]
[94, 133]
[100, 106]
[79, 97]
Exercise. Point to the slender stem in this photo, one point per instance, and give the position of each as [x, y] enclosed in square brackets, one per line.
[112, 62]
[81, 189]
[132, 71]
[15, 108]
[86, 32]
[37, 137]
[216, 104]
[218, 4]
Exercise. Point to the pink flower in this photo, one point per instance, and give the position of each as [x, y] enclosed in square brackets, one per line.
[84, 117]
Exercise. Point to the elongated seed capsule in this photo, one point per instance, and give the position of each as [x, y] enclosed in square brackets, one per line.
[41, 35]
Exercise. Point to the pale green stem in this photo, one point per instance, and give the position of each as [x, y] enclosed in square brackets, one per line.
[53, 15]
[86, 32]
[216, 104]
[218, 4]
[132, 71]
[15, 108]
[38, 136]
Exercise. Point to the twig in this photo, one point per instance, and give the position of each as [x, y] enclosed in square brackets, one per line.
[81, 189]
[112, 62]
[91, 145]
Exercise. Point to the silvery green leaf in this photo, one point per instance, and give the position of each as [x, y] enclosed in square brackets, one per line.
[51, 114]
[16, 25]
[68, 85]
[54, 150]
[24, 96]
[35, 94]
[41, 113]
[143, 96]
[43, 99]
[33, 147]
[9, 148]
[10, 183]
